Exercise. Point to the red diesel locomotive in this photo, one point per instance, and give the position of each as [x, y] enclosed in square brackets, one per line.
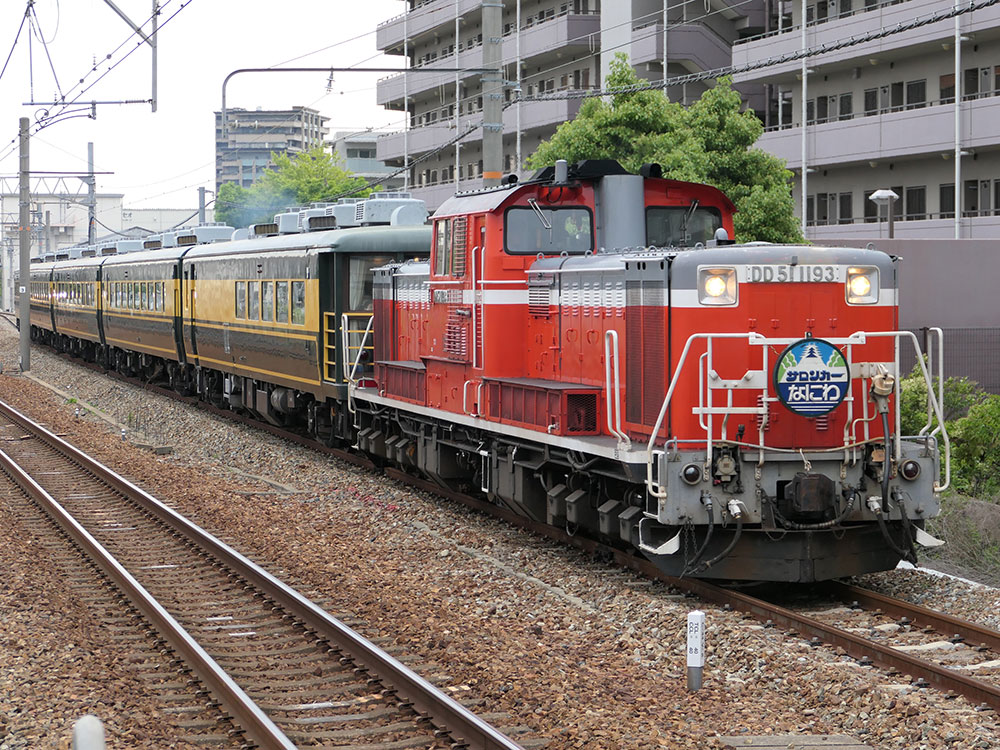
[586, 348]
[582, 349]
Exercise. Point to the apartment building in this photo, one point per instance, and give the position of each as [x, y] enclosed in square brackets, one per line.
[358, 152]
[243, 154]
[562, 45]
[914, 110]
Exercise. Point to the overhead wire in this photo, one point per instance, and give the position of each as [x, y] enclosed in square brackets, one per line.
[17, 36]
[47, 117]
[36, 27]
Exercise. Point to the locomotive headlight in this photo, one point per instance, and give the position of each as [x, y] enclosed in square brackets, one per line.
[862, 285]
[717, 286]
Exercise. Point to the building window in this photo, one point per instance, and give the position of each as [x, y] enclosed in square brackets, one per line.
[947, 85]
[871, 101]
[946, 201]
[822, 209]
[971, 198]
[846, 106]
[970, 83]
[916, 203]
[916, 94]
[871, 208]
[846, 209]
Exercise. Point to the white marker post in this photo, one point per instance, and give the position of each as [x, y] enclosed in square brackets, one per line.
[696, 649]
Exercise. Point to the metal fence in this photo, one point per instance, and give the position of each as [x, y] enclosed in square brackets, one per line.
[972, 353]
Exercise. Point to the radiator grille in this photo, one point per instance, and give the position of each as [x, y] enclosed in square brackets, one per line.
[539, 297]
[581, 413]
[458, 236]
[456, 333]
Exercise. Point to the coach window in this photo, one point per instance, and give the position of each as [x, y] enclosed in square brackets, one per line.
[143, 296]
[361, 281]
[681, 226]
[267, 300]
[159, 296]
[550, 231]
[299, 302]
[130, 304]
[241, 299]
[281, 300]
[253, 300]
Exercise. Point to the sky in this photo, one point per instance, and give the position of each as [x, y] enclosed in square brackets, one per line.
[158, 160]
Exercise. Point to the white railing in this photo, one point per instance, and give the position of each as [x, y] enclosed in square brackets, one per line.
[757, 380]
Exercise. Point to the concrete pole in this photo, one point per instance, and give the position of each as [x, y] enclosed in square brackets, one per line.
[805, 86]
[492, 93]
[24, 237]
[201, 205]
[91, 196]
[458, 101]
[959, 193]
[48, 232]
[152, 44]
[666, 20]
[406, 96]
[517, 90]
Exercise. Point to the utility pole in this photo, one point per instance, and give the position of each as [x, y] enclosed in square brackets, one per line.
[492, 93]
[24, 235]
[91, 196]
[201, 205]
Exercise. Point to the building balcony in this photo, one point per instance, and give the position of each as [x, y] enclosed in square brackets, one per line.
[974, 225]
[915, 132]
[774, 45]
[424, 18]
[564, 32]
[534, 115]
[696, 46]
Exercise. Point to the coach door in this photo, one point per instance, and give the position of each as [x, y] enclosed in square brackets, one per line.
[190, 296]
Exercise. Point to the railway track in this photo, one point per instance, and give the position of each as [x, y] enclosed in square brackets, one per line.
[868, 648]
[867, 643]
[278, 668]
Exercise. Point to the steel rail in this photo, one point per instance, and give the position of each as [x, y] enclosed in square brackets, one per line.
[255, 725]
[442, 710]
[939, 621]
[855, 646]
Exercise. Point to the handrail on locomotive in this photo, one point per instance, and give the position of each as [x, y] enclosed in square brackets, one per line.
[756, 379]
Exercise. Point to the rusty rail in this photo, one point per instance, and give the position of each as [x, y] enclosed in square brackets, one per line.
[443, 711]
[855, 646]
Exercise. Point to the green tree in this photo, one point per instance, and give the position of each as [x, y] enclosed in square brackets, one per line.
[976, 450]
[308, 177]
[711, 141]
[960, 394]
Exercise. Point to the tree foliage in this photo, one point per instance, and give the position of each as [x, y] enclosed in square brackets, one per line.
[711, 141]
[304, 178]
[972, 419]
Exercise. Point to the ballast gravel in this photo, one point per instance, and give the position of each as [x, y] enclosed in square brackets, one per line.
[583, 655]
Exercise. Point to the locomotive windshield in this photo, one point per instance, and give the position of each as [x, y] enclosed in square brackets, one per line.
[681, 226]
[550, 231]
